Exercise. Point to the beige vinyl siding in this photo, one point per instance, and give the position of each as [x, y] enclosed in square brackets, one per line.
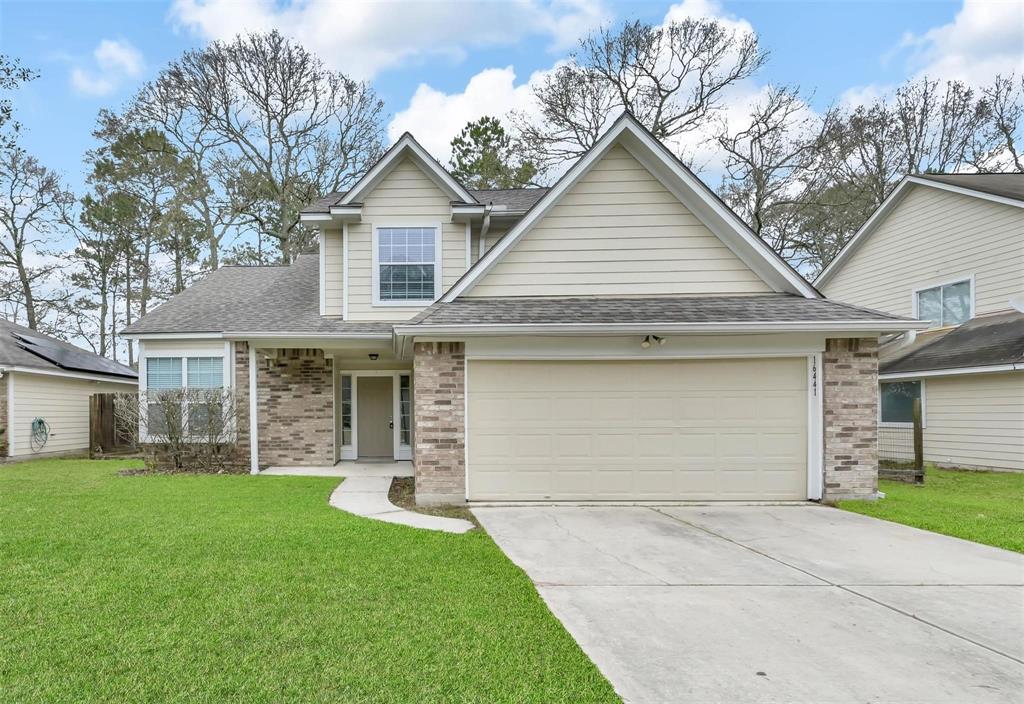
[976, 420]
[63, 403]
[406, 196]
[619, 231]
[334, 274]
[934, 236]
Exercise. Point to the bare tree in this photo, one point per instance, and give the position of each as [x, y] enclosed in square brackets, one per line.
[32, 206]
[673, 79]
[12, 75]
[292, 128]
[771, 166]
[998, 147]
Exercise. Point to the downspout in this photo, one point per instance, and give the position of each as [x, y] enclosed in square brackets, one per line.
[484, 228]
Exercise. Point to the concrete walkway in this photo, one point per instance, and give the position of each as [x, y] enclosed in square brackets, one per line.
[365, 493]
[774, 604]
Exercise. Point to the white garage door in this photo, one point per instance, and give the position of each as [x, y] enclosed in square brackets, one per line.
[644, 431]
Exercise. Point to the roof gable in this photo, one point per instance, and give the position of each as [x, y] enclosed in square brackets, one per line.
[407, 147]
[893, 200]
[680, 182]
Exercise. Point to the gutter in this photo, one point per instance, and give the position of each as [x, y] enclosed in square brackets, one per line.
[953, 371]
[870, 326]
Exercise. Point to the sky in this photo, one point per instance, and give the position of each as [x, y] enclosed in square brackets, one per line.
[440, 64]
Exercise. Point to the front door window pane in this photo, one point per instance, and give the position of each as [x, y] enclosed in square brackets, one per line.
[346, 409]
[405, 409]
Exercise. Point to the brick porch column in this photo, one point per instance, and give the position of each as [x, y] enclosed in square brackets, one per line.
[850, 424]
[439, 414]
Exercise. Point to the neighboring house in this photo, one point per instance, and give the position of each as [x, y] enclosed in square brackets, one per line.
[619, 336]
[948, 249]
[46, 383]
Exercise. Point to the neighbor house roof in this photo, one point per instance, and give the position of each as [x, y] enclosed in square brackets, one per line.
[1007, 189]
[1006, 185]
[989, 340]
[253, 299]
[17, 343]
[644, 312]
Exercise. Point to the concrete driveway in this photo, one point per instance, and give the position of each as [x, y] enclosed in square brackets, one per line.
[774, 604]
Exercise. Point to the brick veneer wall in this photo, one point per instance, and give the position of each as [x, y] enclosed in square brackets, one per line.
[295, 406]
[850, 381]
[439, 411]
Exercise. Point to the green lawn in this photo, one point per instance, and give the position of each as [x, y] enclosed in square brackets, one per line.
[986, 507]
[252, 589]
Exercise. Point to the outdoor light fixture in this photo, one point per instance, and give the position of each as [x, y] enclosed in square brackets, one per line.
[373, 356]
[646, 342]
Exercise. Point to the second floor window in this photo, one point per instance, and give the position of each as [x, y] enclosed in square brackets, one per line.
[949, 304]
[407, 264]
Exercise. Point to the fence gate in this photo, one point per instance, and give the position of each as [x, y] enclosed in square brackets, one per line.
[107, 434]
[901, 450]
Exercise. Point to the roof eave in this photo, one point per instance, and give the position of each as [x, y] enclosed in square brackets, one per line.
[831, 326]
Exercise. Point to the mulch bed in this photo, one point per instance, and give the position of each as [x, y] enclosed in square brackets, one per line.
[403, 495]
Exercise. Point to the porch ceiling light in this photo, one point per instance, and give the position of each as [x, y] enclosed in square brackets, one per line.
[373, 356]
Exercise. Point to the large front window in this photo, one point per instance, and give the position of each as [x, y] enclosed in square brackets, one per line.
[949, 304]
[407, 264]
[170, 374]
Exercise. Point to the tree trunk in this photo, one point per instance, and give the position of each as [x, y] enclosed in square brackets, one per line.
[26, 291]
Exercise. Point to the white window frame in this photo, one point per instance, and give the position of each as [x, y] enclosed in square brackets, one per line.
[924, 404]
[968, 279]
[225, 354]
[375, 244]
[399, 451]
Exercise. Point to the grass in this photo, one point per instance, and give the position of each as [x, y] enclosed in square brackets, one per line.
[986, 507]
[252, 589]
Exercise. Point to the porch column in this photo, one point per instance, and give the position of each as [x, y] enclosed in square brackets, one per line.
[254, 437]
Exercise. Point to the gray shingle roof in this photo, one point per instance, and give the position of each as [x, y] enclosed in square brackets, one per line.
[253, 299]
[981, 342]
[1005, 185]
[14, 354]
[644, 311]
[514, 199]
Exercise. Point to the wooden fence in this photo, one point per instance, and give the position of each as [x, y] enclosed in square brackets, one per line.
[108, 435]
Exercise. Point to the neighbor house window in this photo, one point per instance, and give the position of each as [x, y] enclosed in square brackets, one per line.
[949, 304]
[897, 401]
[406, 264]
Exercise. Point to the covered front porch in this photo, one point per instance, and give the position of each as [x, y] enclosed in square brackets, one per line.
[314, 405]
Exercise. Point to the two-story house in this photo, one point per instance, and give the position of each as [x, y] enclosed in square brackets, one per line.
[619, 336]
[948, 249]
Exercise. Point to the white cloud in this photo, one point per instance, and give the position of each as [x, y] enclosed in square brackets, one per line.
[984, 39]
[435, 117]
[362, 38]
[115, 60]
